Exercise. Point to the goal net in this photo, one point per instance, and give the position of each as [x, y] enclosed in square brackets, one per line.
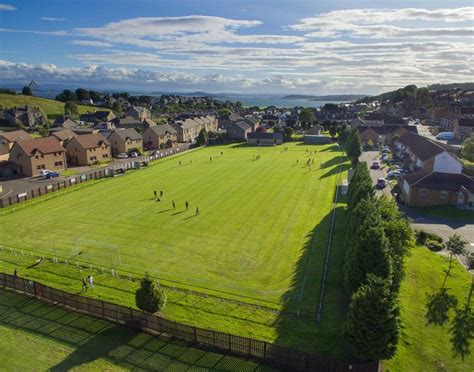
[99, 253]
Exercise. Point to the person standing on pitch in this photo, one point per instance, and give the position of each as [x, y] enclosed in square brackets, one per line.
[197, 211]
[155, 193]
[187, 205]
[161, 193]
[84, 285]
[90, 279]
[174, 205]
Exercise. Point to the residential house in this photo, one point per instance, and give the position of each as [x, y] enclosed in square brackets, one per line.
[231, 119]
[447, 121]
[239, 131]
[131, 122]
[264, 139]
[160, 136]
[8, 139]
[423, 189]
[88, 149]
[63, 136]
[27, 116]
[98, 117]
[125, 141]
[463, 128]
[33, 155]
[379, 136]
[65, 123]
[189, 126]
[138, 112]
[253, 122]
[421, 154]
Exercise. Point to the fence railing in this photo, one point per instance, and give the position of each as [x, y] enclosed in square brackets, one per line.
[253, 302]
[203, 338]
[75, 180]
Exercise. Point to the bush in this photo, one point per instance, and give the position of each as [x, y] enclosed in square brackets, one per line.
[423, 236]
[149, 297]
[434, 245]
[470, 261]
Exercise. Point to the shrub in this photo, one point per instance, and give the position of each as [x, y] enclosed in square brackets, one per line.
[470, 261]
[434, 245]
[423, 236]
[149, 297]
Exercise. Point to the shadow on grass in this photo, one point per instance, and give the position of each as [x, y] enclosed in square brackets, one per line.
[94, 339]
[336, 170]
[333, 161]
[324, 338]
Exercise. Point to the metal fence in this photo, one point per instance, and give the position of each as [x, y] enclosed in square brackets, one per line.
[223, 342]
[107, 171]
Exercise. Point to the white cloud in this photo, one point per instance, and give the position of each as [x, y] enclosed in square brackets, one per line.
[53, 19]
[7, 7]
[384, 23]
[91, 43]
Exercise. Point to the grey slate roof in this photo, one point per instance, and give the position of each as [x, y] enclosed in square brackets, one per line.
[261, 135]
[161, 129]
[128, 133]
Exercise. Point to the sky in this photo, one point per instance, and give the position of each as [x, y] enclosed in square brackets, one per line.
[248, 46]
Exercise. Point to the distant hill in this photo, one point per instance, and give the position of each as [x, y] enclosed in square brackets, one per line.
[53, 109]
[463, 86]
[331, 97]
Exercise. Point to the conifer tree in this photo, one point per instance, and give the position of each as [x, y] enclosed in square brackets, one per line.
[372, 326]
[149, 297]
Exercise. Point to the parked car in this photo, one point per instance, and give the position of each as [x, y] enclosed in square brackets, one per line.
[445, 136]
[52, 175]
[375, 165]
[122, 156]
[44, 172]
[155, 152]
[394, 174]
[384, 158]
[385, 150]
[381, 183]
[133, 154]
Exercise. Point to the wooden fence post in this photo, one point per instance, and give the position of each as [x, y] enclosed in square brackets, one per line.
[103, 310]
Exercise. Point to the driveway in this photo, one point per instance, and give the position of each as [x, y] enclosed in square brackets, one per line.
[375, 174]
[443, 227]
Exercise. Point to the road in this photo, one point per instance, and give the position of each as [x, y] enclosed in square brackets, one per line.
[375, 174]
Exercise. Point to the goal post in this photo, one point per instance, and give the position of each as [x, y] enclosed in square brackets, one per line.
[94, 251]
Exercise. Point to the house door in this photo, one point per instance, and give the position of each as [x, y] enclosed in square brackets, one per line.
[460, 198]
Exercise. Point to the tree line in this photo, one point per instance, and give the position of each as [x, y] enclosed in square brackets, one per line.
[378, 239]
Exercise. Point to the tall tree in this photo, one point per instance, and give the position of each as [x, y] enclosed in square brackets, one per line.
[353, 145]
[368, 254]
[149, 297]
[307, 118]
[117, 108]
[372, 325]
[26, 91]
[288, 133]
[467, 151]
[202, 138]
[360, 186]
[333, 130]
[70, 109]
[82, 94]
[455, 246]
[399, 237]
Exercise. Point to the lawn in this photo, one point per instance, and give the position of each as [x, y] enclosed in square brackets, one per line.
[260, 237]
[53, 109]
[425, 347]
[37, 336]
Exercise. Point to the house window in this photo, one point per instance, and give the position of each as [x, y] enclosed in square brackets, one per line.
[58, 164]
[423, 192]
[443, 195]
[105, 156]
[41, 166]
[93, 158]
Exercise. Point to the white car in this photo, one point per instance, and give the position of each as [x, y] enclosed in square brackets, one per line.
[122, 156]
[44, 172]
[394, 174]
[133, 154]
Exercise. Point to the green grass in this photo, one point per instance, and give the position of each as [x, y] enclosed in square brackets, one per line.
[37, 336]
[424, 347]
[448, 212]
[69, 172]
[53, 109]
[262, 230]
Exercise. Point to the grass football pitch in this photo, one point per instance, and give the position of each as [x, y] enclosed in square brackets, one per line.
[256, 233]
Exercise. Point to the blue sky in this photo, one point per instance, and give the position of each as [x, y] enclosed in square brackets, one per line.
[314, 47]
